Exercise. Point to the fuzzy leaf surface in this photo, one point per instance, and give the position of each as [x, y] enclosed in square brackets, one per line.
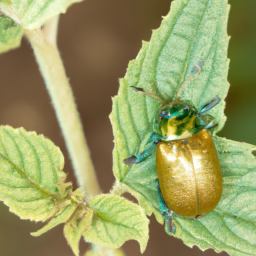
[104, 251]
[75, 228]
[115, 221]
[231, 225]
[10, 35]
[193, 30]
[30, 169]
[61, 217]
[32, 14]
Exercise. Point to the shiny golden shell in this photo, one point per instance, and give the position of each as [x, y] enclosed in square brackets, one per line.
[189, 175]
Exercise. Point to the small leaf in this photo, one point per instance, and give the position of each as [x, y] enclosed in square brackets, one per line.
[115, 221]
[30, 169]
[62, 217]
[75, 228]
[64, 188]
[194, 30]
[34, 14]
[31, 183]
[10, 35]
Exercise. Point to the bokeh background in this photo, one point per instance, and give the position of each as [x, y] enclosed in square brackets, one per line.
[97, 38]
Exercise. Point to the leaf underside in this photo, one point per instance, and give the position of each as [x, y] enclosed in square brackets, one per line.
[75, 228]
[34, 13]
[194, 30]
[115, 221]
[31, 168]
[32, 184]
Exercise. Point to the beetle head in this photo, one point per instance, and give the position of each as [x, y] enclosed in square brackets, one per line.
[176, 112]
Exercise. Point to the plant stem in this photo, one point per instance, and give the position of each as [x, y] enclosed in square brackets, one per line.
[104, 251]
[52, 70]
[50, 30]
[118, 189]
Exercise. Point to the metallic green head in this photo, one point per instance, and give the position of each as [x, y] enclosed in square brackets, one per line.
[177, 120]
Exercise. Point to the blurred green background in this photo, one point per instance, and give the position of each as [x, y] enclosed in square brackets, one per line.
[97, 38]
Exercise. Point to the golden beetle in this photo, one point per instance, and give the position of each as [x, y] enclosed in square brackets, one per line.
[189, 176]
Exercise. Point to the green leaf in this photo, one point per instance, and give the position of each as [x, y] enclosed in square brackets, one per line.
[10, 35]
[103, 251]
[141, 184]
[61, 217]
[194, 30]
[31, 184]
[30, 169]
[115, 221]
[231, 226]
[34, 13]
[75, 228]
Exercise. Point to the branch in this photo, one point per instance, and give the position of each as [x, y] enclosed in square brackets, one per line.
[52, 70]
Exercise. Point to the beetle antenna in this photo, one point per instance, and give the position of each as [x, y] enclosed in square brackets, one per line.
[140, 90]
[194, 72]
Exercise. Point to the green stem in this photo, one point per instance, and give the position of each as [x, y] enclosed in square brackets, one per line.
[118, 189]
[101, 250]
[52, 70]
[50, 30]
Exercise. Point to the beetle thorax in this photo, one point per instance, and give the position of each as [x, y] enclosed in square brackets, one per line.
[180, 121]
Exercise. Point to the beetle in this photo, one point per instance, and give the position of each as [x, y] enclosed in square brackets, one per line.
[189, 175]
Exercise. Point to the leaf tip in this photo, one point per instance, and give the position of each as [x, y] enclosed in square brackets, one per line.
[35, 234]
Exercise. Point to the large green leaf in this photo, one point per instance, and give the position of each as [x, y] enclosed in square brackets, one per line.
[30, 169]
[115, 221]
[31, 14]
[10, 35]
[32, 184]
[194, 30]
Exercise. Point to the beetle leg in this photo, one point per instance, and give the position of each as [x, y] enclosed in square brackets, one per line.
[211, 125]
[199, 216]
[146, 153]
[165, 211]
[206, 123]
[153, 137]
[210, 105]
[201, 123]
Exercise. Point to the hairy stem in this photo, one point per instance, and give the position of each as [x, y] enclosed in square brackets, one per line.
[52, 70]
[50, 30]
[118, 188]
[101, 250]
